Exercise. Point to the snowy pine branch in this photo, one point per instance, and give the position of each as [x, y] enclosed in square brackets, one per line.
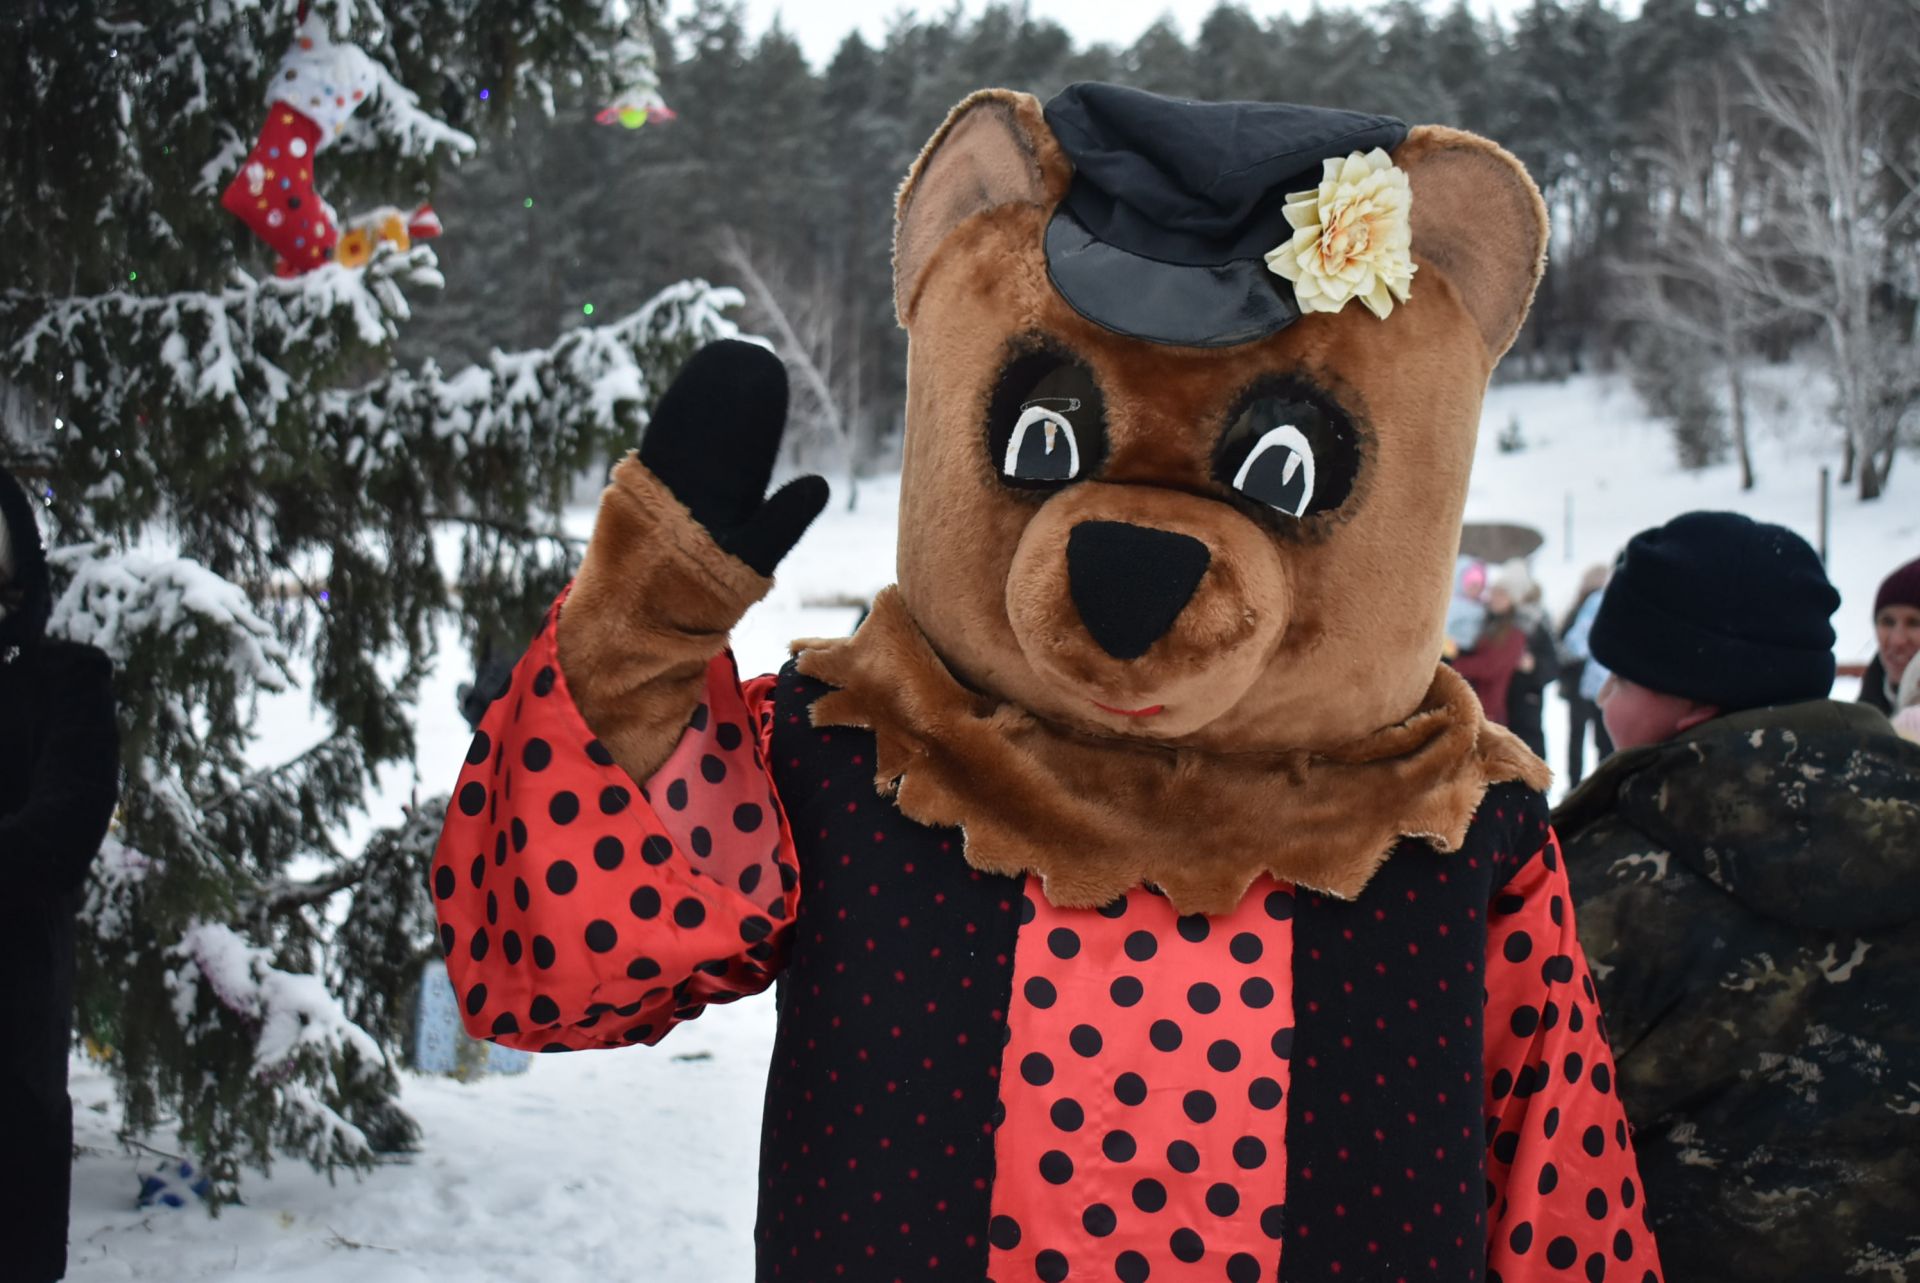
[561, 407]
[306, 1054]
[117, 600]
[118, 872]
[235, 361]
[393, 119]
[294, 1013]
[286, 812]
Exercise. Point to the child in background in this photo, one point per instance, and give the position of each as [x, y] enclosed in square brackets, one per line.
[1499, 652]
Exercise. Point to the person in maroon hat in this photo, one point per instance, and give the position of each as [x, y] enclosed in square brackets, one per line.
[1896, 633]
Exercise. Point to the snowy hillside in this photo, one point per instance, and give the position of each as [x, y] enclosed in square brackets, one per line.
[640, 1165]
[1589, 440]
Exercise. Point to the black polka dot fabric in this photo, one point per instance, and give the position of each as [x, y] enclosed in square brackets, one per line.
[884, 1090]
[1407, 1003]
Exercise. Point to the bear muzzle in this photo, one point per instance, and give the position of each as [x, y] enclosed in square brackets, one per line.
[1148, 611]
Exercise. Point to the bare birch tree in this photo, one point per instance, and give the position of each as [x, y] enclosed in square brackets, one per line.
[810, 336]
[1700, 282]
[1844, 200]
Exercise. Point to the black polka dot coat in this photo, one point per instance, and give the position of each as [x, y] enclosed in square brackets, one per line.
[968, 1083]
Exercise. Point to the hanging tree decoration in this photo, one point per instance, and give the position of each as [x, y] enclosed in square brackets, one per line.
[318, 85]
[639, 101]
[634, 107]
[385, 225]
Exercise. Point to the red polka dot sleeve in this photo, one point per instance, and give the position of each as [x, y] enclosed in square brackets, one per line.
[578, 910]
[1565, 1187]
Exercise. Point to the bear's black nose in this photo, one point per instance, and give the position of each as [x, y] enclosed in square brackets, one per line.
[1131, 582]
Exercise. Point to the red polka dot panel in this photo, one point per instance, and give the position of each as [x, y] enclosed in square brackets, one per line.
[1559, 1149]
[571, 914]
[1144, 1082]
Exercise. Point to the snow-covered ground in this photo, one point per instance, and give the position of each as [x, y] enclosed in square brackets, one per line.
[587, 1169]
[640, 1164]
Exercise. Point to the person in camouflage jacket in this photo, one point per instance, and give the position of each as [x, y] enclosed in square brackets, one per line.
[1748, 890]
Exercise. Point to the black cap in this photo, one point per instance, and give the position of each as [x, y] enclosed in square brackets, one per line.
[1174, 204]
[1719, 608]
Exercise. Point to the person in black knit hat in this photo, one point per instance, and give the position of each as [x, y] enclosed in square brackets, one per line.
[1711, 613]
[1746, 880]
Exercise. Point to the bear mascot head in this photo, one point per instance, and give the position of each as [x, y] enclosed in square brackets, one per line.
[1193, 391]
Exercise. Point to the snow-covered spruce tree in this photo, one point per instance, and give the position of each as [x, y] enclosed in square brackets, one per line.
[246, 494]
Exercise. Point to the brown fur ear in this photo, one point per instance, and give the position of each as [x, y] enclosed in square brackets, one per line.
[994, 149]
[1478, 220]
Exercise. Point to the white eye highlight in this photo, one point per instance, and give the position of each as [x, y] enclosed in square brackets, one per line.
[1278, 470]
[1043, 446]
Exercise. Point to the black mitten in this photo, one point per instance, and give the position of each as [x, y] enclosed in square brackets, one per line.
[713, 441]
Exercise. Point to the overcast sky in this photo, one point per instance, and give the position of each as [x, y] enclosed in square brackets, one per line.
[820, 25]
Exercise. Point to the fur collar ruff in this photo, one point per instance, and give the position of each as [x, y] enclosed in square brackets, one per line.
[1096, 816]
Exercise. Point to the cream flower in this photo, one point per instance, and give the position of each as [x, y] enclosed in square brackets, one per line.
[1353, 237]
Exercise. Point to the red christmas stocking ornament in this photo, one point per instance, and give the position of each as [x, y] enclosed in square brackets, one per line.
[317, 86]
[273, 192]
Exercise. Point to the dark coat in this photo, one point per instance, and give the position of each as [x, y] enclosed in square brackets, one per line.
[1749, 894]
[1527, 691]
[59, 779]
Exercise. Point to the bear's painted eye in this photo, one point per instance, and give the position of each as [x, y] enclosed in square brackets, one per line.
[1046, 424]
[1043, 447]
[1279, 471]
[1289, 449]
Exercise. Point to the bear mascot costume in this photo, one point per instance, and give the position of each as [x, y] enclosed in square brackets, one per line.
[1145, 898]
